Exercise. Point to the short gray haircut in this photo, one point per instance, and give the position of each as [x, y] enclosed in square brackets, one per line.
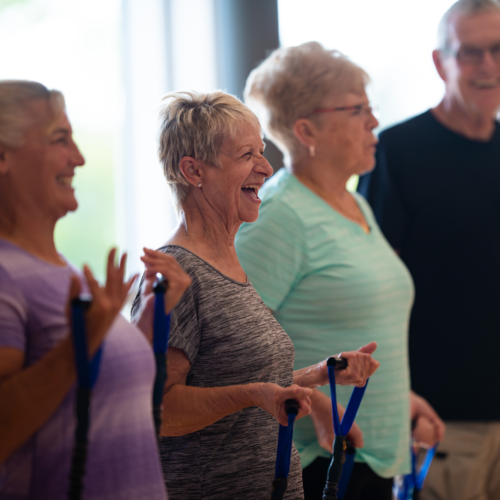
[15, 115]
[462, 8]
[196, 125]
[292, 82]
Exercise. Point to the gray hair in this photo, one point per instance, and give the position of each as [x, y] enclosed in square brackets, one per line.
[196, 125]
[462, 8]
[292, 82]
[15, 116]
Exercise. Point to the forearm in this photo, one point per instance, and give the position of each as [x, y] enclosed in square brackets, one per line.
[312, 376]
[29, 397]
[189, 409]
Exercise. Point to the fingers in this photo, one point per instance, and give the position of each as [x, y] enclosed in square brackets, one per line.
[355, 436]
[74, 287]
[368, 348]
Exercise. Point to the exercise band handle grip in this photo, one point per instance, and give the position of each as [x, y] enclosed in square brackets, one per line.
[337, 363]
[291, 407]
[160, 285]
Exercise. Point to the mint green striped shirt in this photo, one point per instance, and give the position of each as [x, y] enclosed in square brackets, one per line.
[334, 288]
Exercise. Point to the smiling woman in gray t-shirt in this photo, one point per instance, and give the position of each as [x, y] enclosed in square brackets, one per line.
[229, 362]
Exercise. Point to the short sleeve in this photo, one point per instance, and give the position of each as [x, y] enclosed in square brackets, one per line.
[185, 332]
[381, 189]
[272, 252]
[13, 314]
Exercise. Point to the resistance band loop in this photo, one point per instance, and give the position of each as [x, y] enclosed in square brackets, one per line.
[413, 483]
[283, 454]
[161, 333]
[87, 373]
[334, 485]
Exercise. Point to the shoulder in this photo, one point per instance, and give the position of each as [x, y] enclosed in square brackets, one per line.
[413, 128]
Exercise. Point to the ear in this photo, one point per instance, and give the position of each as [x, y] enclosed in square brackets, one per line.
[437, 57]
[192, 170]
[305, 132]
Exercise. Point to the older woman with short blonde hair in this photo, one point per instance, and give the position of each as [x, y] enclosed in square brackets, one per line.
[321, 264]
[229, 362]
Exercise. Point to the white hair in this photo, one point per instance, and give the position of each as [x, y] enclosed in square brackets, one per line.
[462, 8]
[196, 125]
[292, 82]
[15, 115]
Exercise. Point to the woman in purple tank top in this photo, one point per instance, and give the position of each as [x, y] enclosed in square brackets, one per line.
[38, 159]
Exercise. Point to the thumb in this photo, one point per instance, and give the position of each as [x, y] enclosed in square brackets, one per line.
[368, 348]
[294, 391]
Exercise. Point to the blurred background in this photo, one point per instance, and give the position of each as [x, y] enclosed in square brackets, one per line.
[115, 59]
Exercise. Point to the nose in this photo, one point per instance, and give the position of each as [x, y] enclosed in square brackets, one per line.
[488, 62]
[372, 121]
[77, 158]
[266, 168]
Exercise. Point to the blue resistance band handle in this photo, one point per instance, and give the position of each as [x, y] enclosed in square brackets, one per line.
[161, 334]
[87, 373]
[283, 454]
[341, 429]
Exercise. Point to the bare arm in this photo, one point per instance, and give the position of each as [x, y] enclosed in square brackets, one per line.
[193, 408]
[28, 397]
[360, 367]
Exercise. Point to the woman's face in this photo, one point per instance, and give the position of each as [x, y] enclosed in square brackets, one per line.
[344, 137]
[41, 171]
[233, 189]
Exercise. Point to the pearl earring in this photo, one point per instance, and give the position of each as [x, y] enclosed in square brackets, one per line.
[199, 184]
[312, 151]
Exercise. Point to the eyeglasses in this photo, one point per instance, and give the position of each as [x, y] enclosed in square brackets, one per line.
[475, 55]
[359, 109]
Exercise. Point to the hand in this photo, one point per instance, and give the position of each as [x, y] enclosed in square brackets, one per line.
[424, 433]
[360, 366]
[107, 301]
[420, 409]
[178, 282]
[321, 415]
[272, 397]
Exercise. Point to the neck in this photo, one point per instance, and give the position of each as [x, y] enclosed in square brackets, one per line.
[30, 231]
[473, 124]
[320, 177]
[207, 235]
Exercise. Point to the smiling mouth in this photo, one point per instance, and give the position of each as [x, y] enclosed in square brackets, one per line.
[65, 181]
[486, 84]
[252, 191]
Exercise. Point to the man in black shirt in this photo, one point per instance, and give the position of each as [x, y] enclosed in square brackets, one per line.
[436, 195]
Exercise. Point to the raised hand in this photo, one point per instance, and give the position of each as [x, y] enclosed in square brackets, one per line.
[178, 282]
[107, 300]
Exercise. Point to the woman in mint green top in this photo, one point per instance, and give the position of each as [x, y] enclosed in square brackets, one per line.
[320, 263]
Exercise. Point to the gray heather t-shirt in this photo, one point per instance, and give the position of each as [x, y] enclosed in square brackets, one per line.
[230, 337]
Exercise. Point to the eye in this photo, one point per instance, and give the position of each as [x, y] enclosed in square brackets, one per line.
[357, 109]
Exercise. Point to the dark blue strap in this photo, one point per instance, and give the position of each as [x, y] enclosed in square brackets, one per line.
[343, 428]
[285, 439]
[87, 371]
[346, 472]
[161, 325]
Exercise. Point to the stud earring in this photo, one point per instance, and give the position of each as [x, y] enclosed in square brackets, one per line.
[312, 151]
[199, 184]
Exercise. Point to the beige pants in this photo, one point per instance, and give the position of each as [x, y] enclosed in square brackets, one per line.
[471, 469]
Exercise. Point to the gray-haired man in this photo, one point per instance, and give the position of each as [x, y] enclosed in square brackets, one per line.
[436, 195]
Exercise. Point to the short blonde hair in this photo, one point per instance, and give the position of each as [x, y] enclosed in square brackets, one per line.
[292, 82]
[15, 115]
[462, 8]
[196, 125]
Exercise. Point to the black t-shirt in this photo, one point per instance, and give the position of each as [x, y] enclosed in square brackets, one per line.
[436, 196]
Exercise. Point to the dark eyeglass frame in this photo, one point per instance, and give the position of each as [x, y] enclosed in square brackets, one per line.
[475, 55]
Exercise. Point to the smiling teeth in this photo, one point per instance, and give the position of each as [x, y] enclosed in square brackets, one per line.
[64, 181]
[486, 84]
[252, 186]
